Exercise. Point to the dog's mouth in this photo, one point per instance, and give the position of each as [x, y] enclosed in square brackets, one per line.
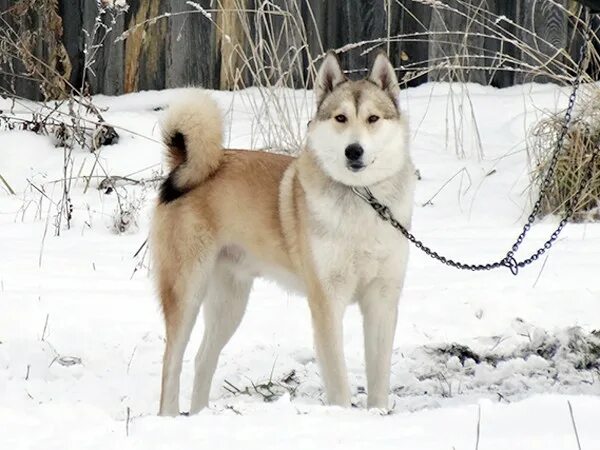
[355, 166]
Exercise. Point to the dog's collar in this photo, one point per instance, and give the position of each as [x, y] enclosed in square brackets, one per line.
[366, 195]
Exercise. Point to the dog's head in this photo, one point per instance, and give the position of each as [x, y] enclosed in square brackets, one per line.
[358, 134]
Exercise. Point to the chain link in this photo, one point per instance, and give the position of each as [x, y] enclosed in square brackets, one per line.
[509, 261]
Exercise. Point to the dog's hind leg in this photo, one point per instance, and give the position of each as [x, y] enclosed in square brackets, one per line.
[181, 301]
[224, 309]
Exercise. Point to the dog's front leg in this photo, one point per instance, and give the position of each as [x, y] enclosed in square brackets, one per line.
[327, 317]
[380, 310]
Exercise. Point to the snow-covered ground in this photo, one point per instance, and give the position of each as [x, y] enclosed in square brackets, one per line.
[81, 337]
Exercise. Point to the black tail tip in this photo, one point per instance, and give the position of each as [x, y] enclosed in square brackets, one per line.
[169, 190]
[177, 140]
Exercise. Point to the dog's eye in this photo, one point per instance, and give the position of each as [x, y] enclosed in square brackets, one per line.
[373, 119]
[341, 118]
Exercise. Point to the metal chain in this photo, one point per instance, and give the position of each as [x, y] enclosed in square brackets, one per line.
[509, 260]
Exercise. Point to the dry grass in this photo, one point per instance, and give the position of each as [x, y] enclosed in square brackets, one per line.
[276, 47]
[71, 121]
[267, 45]
[572, 172]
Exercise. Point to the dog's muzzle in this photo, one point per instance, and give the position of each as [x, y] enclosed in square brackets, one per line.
[354, 154]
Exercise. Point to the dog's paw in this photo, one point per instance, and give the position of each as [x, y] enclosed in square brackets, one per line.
[381, 411]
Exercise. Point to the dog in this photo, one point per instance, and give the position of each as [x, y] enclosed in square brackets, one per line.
[225, 217]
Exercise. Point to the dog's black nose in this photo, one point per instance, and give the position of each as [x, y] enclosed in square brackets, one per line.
[354, 152]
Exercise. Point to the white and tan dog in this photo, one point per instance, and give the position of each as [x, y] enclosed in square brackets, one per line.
[225, 217]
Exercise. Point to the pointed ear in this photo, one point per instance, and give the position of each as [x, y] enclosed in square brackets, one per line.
[329, 76]
[383, 75]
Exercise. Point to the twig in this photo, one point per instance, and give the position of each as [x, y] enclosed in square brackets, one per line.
[110, 180]
[40, 191]
[502, 397]
[479, 427]
[127, 421]
[541, 270]
[131, 359]
[429, 202]
[97, 123]
[289, 377]
[140, 263]
[44, 235]
[45, 327]
[231, 407]
[5, 183]
[228, 383]
[140, 249]
[272, 370]
[574, 425]
[229, 390]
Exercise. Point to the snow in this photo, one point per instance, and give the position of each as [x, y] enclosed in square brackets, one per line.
[506, 351]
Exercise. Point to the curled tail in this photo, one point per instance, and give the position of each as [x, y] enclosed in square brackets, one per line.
[193, 134]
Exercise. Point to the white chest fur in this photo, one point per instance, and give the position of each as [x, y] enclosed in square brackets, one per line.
[351, 246]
